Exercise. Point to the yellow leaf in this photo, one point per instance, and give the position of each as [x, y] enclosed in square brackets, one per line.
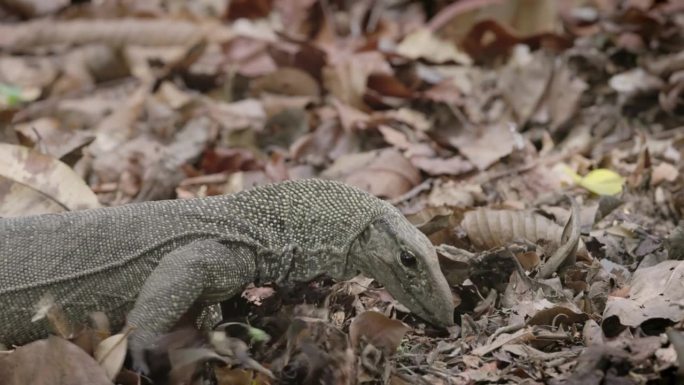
[602, 182]
[571, 173]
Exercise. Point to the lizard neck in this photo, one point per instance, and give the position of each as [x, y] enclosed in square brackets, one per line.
[297, 265]
[355, 260]
[330, 264]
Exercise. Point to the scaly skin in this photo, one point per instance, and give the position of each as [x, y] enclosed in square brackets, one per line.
[147, 263]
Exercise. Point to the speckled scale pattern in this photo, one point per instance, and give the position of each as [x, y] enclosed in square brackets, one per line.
[166, 254]
[197, 271]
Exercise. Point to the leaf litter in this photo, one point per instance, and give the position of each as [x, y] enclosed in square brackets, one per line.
[540, 150]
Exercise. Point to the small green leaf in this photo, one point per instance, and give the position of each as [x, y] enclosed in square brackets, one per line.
[11, 94]
[602, 182]
[258, 334]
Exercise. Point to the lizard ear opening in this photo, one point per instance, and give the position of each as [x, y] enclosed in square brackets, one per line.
[365, 235]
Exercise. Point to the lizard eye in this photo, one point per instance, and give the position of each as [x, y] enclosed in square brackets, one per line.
[407, 258]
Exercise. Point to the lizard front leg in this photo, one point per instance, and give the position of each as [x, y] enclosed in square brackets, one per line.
[202, 271]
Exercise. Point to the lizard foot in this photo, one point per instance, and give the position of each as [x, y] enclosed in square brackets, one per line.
[139, 364]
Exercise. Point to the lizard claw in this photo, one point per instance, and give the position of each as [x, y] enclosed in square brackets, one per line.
[139, 364]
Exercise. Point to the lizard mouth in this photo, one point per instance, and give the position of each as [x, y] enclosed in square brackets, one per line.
[423, 311]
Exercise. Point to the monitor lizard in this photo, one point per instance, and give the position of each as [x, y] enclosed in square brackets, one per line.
[145, 264]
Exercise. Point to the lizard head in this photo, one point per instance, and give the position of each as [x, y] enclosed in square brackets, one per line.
[399, 256]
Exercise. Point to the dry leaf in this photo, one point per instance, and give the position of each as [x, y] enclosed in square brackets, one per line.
[257, 294]
[51, 361]
[384, 173]
[458, 18]
[231, 376]
[327, 142]
[149, 32]
[388, 85]
[287, 81]
[525, 80]
[248, 9]
[245, 114]
[451, 193]
[50, 138]
[424, 44]
[564, 95]
[592, 333]
[674, 244]
[455, 165]
[110, 354]
[654, 292]
[663, 172]
[28, 75]
[316, 350]
[395, 137]
[378, 330]
[47, 176]
[635, 82]
[350, 117]
[486, 145]
[250, 54]
[418, 120]
[346, 79]
[565, 254]
[557, 315]
[522, 335]
[488, 229]
[17, 199]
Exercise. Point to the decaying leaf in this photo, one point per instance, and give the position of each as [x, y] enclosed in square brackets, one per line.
[180, 99]
[435, 166]
[564, 95]
[655, 292]
[522, 335]
[287, 81]
[432, 219]
[451, 193]
[347, 78]
[20, 200]
[384, 173]
[47, 176]
[47, 136]
[664, 172]
[424, 44]
[525, 80]
[675, 243]
[44, 361]
[564, 256]
[484, 146]
[257, 294]
[135, 31]
[557, 316]
[232, 351]
[227, 375]
[488, 229]
[315, 350]
[375, 328]
[457, 19]
[110, 354]
[634, 82]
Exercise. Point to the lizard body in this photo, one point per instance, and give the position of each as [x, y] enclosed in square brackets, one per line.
[147, 263]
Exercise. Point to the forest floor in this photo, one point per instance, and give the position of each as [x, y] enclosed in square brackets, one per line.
[538, 144]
